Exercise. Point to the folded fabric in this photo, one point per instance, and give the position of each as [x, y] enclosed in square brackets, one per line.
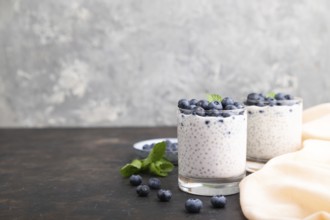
[291, 187]
[316, 122]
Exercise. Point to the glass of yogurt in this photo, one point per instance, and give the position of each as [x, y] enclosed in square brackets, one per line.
[274, 127]
[212, 140]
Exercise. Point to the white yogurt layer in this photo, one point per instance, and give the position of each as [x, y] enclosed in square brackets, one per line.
[211, 147]
[273, 131]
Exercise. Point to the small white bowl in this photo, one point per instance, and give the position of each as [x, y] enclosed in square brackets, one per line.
[170, 155]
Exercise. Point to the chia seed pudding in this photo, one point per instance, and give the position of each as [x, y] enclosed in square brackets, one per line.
[274, 127]
[211, 146]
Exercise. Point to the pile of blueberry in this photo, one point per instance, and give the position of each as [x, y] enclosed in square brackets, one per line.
[170, 146]
[261, 100]
[164, 195]
[192, 205]
[206, 108]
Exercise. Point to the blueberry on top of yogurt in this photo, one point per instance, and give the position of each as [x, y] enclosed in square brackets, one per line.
[259, 99]
[213, 108]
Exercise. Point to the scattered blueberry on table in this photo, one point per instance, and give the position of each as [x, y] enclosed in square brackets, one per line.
[154, 183]
[218, 201]
[193, 205]
[135, 180]
[143, 190]
[164, 195]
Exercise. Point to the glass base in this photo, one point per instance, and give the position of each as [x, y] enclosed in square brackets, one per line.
[253, 165]
[210, 187]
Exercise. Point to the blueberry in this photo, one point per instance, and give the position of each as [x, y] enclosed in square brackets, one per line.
[218, 201]
[227, 101]
[230, 107]
[164, 195]
[168, 143]
[135, 180]
[193, 205]
[261, 96]
[173, 147]
[225, 114]
[215, 105]
[213, 112]
[184, 104]
[288, 97]
[143, 190]
[238, 105]
[203, 103]
[154, 183]
[198, 110]
[280, 96]
[253, 96]
[260, 103]
[251, 102]
[271, 101]
[193, 101]
[146, 147]
[193, 106]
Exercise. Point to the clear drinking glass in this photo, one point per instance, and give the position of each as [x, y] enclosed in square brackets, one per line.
[211, 152]
[273, 131]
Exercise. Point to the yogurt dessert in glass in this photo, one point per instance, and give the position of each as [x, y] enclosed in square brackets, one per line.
[274, 127]
[211, 146]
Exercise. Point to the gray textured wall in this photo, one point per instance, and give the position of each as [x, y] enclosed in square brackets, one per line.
[116, 62]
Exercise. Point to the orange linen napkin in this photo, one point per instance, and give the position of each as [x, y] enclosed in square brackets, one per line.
[295, 185]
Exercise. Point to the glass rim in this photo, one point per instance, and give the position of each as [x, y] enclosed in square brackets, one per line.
[295, 100]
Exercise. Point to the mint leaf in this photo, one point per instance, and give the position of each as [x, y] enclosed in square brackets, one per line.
[214, 97]
[161, 167]
[154, 169]
[271, 95]
[145, 164]
[129, 170]
[136, 163]
[165, 165]
[156, 153]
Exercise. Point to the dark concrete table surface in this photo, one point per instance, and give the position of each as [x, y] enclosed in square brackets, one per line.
[70, 173]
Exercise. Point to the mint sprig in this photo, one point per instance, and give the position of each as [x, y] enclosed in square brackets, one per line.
[155, 163]
[214, 97]
[131, 168]
[271, 94]
[155, 154]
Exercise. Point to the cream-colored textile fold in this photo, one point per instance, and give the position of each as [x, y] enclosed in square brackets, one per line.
[295, 185]
[317, 122]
